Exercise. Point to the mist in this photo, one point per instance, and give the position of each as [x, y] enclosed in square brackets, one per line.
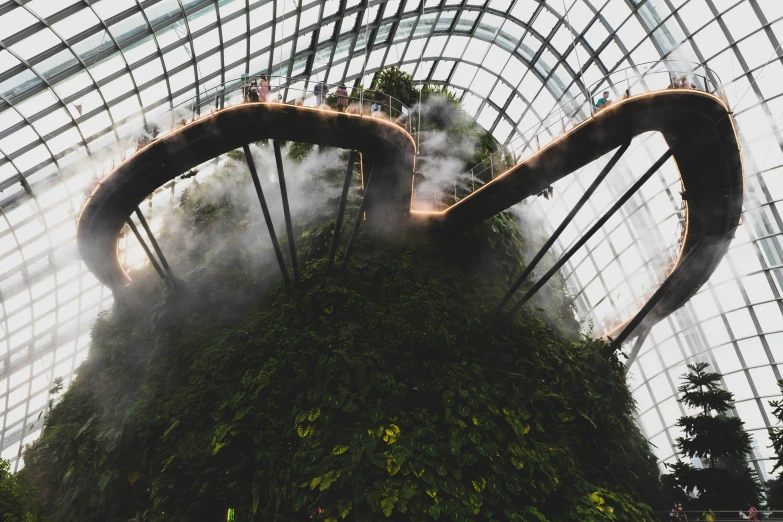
[197, 244]
[445, 155]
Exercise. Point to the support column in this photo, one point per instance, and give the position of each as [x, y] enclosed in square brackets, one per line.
[648, 306]
[144, 246]
[155, 245]
[356, 224]
[620, 202]
[556, 234]
[252, 166]
[286, 212]
[341, 211]
[636, 347]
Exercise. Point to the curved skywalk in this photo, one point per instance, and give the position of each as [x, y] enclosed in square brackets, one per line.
[697, 126]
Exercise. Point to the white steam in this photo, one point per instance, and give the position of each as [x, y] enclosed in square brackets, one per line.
[230, 188]
[445, 155]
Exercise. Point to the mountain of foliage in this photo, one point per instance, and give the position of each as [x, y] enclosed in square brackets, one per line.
[388, 393]
[720, 441]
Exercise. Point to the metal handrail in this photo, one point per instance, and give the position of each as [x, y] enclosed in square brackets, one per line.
[231, 93]
[653, 64]
[720, 515]
[558, 122]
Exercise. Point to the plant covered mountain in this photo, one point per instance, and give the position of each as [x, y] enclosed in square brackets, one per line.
[391, 392]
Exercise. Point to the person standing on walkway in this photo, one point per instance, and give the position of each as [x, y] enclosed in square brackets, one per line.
[263, 89]
[342, 98]
[246, 91]
[603, 101]
[378, 100]
[320, 91]
[253, 91]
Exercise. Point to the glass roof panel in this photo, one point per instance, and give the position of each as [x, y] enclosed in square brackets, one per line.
[510, 68]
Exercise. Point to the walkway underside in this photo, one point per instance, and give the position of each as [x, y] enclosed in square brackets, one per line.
[707, 153]
[387, 150]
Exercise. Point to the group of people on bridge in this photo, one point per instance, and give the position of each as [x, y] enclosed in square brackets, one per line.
[676, 83]
[605, 101]
[682, 83]
[708, 515]
[256, 90]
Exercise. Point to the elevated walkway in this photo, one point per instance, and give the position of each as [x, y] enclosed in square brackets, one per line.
[697, 125]
[387, 150]
[705, 147]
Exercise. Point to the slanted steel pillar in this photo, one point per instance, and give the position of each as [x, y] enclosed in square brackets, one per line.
[341, 211]
[636, 347]
[556, 234]
[144, 246]
[356, 224]
[620, 202]
[648, 306]
[155, 245]
[268, 218]
[286, 212]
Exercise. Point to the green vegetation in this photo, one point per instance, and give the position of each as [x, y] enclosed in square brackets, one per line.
[775, 486]
[442, 112]
[397, 84]
[15, 502]
[719, 440]
[389, 393]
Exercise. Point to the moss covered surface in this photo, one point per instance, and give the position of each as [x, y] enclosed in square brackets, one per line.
[390, 393]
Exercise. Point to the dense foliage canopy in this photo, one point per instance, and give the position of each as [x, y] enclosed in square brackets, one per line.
[397, 84]
[390, 392]
[15, 502]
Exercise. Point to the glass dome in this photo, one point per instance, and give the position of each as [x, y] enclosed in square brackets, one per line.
[78, 77]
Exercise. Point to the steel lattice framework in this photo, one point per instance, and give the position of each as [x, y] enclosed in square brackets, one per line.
[77, 76]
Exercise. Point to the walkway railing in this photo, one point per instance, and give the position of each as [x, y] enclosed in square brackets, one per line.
[291, 91]
[720, 516]
[621, 84]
